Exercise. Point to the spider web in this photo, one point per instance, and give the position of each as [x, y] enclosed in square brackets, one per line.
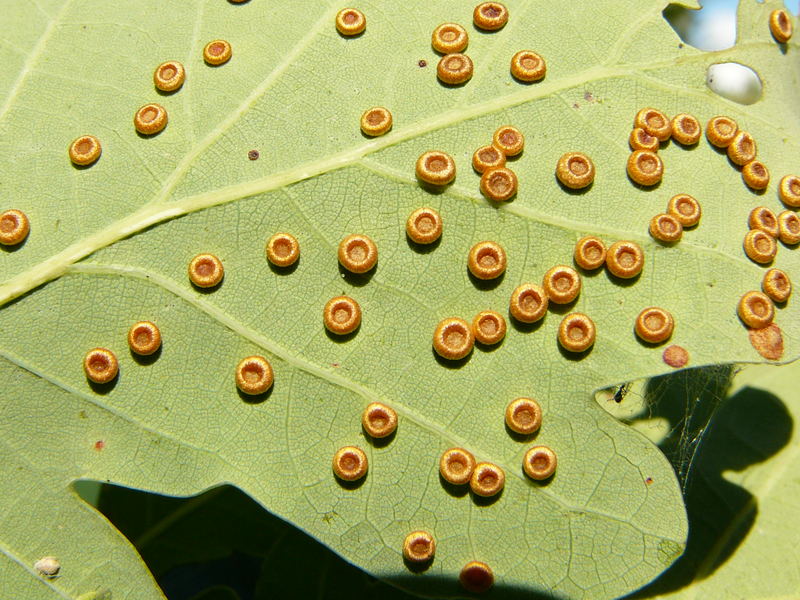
[675, 410]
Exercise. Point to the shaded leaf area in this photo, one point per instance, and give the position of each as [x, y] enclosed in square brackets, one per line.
[222, 544]
[742, 495]
[109, 246]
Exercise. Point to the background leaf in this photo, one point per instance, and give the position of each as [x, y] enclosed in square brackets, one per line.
[112, 243]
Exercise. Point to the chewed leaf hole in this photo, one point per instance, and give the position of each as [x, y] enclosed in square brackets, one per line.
[734, 81]
[711, 28]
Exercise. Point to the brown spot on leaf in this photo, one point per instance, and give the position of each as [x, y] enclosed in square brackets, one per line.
[649, 481]
[99, 445]
[676, 356]
[423, 63]
[253, 155]
[767, 341]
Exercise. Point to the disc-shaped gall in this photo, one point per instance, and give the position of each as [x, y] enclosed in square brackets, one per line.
[742, 148]
[562, 284]
[654, 325]
[654, 122]
[476, 577]
[509, 140]
[205, 270]
[453, 339]
[419, 547]
[487, 260]
[487, 480]
[350, 463]
[686, 129]
[283, 249]
[764, 219]
[489, 327]
[150, 119]
[490, 16]
[100, 365]
[789, 190]
[436, 168]
[590, 253]
[528, 303]
[85, 150]
[539, 463]
[760, 247]
[341, 315]
[528, 66]
[639, 139]
[357, 253]
[645, 168]
[685, 209]
[376, 121]
[454, 69]
[217, 52]
[456, 466]
[789, 227]
[499, 184]
[755, 175]
[144, 338]
[424, 226]
[575, 170]
[625, 259]
[488, 157]
[524, 416]
[169, 76]
[780, 25]
[379, 420]
[449, 38]
[254, 375]
[350, 22]
[14, 227]
[755, 309]
[777, 285]
[666, 228]
[721, 130]
[576, 333]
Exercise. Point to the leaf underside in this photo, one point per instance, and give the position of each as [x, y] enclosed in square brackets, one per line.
[109, 245]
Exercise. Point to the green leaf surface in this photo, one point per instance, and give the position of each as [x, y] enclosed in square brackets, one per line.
[109, 245]
[742, 496]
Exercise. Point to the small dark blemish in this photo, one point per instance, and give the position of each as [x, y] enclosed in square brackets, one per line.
[253, 155]
[99, 445]
[649, 481]
[423, 63]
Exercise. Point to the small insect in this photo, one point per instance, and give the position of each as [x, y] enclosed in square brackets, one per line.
[621, 392]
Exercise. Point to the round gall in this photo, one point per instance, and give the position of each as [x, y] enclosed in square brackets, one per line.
[100, 365]
[379, 420]
[453, 339]
[205, 271]
[350, 22]
[456, 466]
[424, 226]
[590, 253]
[449, 38]
[14, 227]
[487, 260]
[85, 150]
[358, 253]
[254, 375]
[350, 463]
[524, 416]
[528, 303]
[341, 315]
[576, 333]
[169, 76]
[144, 338]
[217, 52]
[540, 463]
